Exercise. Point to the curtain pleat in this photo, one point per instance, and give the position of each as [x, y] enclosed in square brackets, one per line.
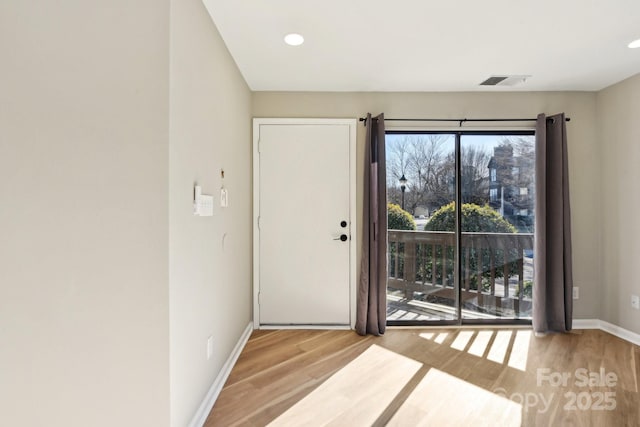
[553, 278]
[371, 311]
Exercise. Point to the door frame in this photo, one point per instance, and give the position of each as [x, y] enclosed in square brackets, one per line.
[352, 123]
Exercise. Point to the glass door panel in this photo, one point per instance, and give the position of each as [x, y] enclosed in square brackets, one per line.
[421, 180]
[497, 192]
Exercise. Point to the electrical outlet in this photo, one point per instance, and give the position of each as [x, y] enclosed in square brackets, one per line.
[635, 302]
[576, 292]
[209, 347]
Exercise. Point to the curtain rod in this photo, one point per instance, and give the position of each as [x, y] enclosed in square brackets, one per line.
[460, 121]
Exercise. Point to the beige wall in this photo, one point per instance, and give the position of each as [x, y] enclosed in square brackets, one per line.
[583, 148]
[619, 134]
[109, 286]
[84, 138]
[210, 257]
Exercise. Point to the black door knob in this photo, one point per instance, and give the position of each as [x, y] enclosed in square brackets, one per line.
[343, 224]
[343, 237]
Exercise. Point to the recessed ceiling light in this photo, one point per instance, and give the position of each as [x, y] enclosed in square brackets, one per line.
[293, 39]
[634, 44]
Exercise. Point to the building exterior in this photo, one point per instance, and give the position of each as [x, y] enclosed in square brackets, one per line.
[511, 187]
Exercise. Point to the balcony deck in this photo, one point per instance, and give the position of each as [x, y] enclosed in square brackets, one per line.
[420, 284]
[403, 309]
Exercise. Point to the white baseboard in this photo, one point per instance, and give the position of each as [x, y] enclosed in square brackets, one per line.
[585, 324]
[619, 332]
[214, 391]
[615, 330]
[314, 327]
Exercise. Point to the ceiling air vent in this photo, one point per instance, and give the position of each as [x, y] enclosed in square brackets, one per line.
[504, 80]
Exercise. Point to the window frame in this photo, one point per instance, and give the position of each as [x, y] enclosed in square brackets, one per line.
[458, 133]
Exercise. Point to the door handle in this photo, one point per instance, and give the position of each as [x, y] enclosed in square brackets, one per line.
[342, 238]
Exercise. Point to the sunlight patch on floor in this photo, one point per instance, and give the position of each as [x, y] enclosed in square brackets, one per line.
[441, 399]
[461, 341]
[357, 394]
[480, 344]
[520, 350]
[441, 337]
[427, 335]
[499, 347]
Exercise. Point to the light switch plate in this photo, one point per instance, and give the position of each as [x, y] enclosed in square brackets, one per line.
[209, 347]
[224, 198]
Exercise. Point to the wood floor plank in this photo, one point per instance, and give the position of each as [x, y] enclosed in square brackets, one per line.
[277, 385]
[468, 376]
[281, 347]
[349, 397]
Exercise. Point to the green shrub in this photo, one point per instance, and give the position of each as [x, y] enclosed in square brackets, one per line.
[475, 219]
[399, 219]
[478, 219]
[527, 289]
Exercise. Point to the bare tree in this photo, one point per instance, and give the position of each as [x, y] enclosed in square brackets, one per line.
[475, 175]
[522, 147]
[428, 163]
[397, 153]
[524, 151]
[419, 158]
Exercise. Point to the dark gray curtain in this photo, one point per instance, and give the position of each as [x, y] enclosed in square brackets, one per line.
[371, 312]
[553, 279]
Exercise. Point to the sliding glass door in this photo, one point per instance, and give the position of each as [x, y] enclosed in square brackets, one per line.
[451, 265]
[421, 180]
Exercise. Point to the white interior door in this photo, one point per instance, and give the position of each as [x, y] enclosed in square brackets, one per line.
[304, 223]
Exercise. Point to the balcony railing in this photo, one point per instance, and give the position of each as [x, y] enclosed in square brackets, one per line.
[496, 274]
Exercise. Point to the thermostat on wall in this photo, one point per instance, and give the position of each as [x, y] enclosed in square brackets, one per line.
[202, 203]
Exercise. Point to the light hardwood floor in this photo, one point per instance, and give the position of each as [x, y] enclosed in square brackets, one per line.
[432, 377]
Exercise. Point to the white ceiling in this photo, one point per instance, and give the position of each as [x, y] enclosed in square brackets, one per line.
[425, 45]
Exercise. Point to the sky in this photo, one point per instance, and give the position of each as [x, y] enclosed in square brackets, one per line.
[481, 141]
[484, 142]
